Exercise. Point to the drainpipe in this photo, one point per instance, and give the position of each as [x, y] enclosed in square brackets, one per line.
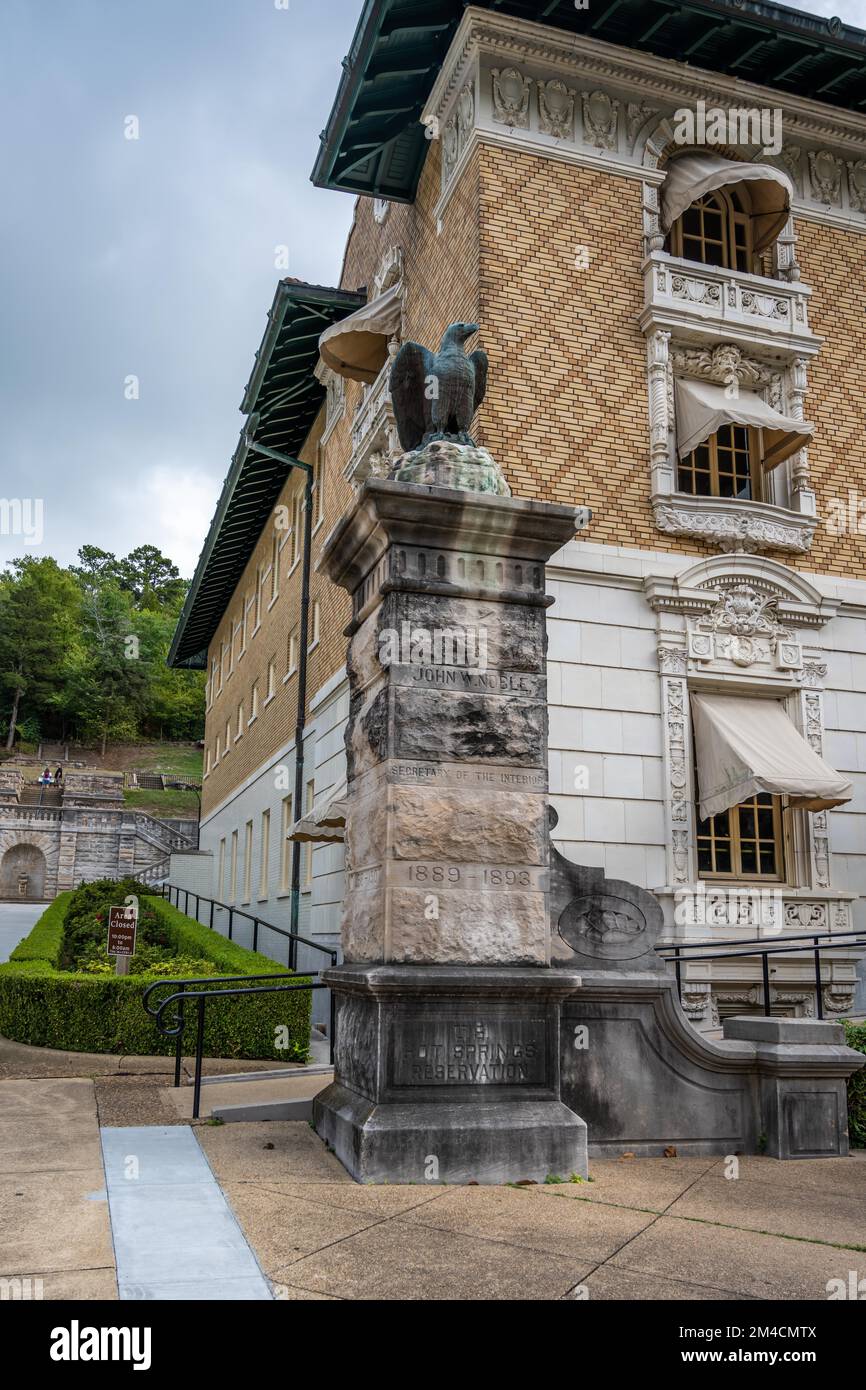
[300, 720]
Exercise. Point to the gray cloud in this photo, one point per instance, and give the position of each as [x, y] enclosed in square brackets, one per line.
[154, 257]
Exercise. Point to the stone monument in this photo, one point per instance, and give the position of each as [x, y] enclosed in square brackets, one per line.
[448, 1013]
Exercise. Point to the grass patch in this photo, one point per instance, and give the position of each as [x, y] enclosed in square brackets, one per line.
[172, 760]
[181, 805]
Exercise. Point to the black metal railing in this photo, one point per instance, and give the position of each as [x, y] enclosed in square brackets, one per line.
[806, 942]
[213, 986]
[172, 1026]
[213, 905]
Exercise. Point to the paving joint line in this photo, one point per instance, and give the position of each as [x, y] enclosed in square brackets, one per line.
[658, 1216]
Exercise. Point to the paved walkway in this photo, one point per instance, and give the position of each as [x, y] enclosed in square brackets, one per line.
[643, 1229]
[54, 1225]
[201, 1212]
[16, 920]
[175, 1236]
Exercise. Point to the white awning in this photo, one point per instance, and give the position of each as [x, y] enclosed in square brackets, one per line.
[357, 346]
[692, 175]
[326, 822]
[703, 408]
[747, 746]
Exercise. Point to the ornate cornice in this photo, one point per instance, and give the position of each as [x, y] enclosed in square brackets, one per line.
[506, 38]
[627, 128]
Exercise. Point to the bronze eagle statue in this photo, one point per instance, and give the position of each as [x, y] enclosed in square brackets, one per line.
[436, 394]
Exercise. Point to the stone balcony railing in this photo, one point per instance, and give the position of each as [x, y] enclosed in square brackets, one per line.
[375, 442]
[706, 302]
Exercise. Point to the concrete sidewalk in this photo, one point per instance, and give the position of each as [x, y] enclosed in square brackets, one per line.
[669, 1229]
[54, 1224]
[673, 1229]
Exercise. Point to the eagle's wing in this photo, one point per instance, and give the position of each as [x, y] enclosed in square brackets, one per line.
[480, 362]
[412, 365]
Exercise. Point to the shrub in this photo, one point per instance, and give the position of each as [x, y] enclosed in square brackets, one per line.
[85, 1012]
[855, 1036]
[86, 920]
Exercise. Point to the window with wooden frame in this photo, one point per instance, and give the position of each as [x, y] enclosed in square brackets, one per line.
[319, 487]
[275, 566]
[297, 528]
[728, 464]
[716, 230]
[745, 842]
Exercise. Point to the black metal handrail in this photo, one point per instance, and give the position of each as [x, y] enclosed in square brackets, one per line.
[293, 937]
[808, 941]
[174, 1027]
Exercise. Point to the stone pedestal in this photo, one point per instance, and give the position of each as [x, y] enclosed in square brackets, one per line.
[448, 1014]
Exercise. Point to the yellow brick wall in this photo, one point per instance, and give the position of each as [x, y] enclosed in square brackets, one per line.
[566, 410]
[833, 265]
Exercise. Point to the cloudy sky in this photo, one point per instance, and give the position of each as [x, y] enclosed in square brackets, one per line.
[154, 257]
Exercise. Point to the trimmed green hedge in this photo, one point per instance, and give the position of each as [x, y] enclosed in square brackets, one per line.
[45, 941]
[855, 1036]
[48, 1007]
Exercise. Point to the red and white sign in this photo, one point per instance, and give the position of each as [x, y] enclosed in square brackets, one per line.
[122, 923]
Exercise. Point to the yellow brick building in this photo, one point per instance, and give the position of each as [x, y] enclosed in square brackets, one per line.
[525, 177]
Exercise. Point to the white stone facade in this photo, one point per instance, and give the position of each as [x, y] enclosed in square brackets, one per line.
[615, 781]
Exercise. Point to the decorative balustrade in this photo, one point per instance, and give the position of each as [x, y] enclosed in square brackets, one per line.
[375, 442]
[682, 295]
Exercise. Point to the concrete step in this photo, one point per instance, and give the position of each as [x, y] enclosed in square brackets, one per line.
[279, 1074]
[258, 1096]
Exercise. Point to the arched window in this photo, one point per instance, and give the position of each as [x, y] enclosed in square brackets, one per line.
[716, 230]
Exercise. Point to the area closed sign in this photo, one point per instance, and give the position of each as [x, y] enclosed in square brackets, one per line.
[122, 922]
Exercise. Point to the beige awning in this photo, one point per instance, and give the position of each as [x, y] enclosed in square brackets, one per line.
[690, 177]
[703, 408]
[357, 346]
[325, 823]
[747, 746]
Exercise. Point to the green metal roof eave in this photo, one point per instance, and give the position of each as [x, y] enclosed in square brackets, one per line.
[388, 163]
[253, 483]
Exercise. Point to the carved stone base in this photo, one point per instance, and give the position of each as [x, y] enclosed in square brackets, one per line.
[449, 1074]
[644, 1079]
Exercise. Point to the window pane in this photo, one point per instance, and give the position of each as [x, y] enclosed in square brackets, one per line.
[703, 484]
[723, 858]
[749, 857]
[768, 859]
[691, 222]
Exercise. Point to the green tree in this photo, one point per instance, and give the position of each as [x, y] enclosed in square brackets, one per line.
[39, 610]
[150, 577]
